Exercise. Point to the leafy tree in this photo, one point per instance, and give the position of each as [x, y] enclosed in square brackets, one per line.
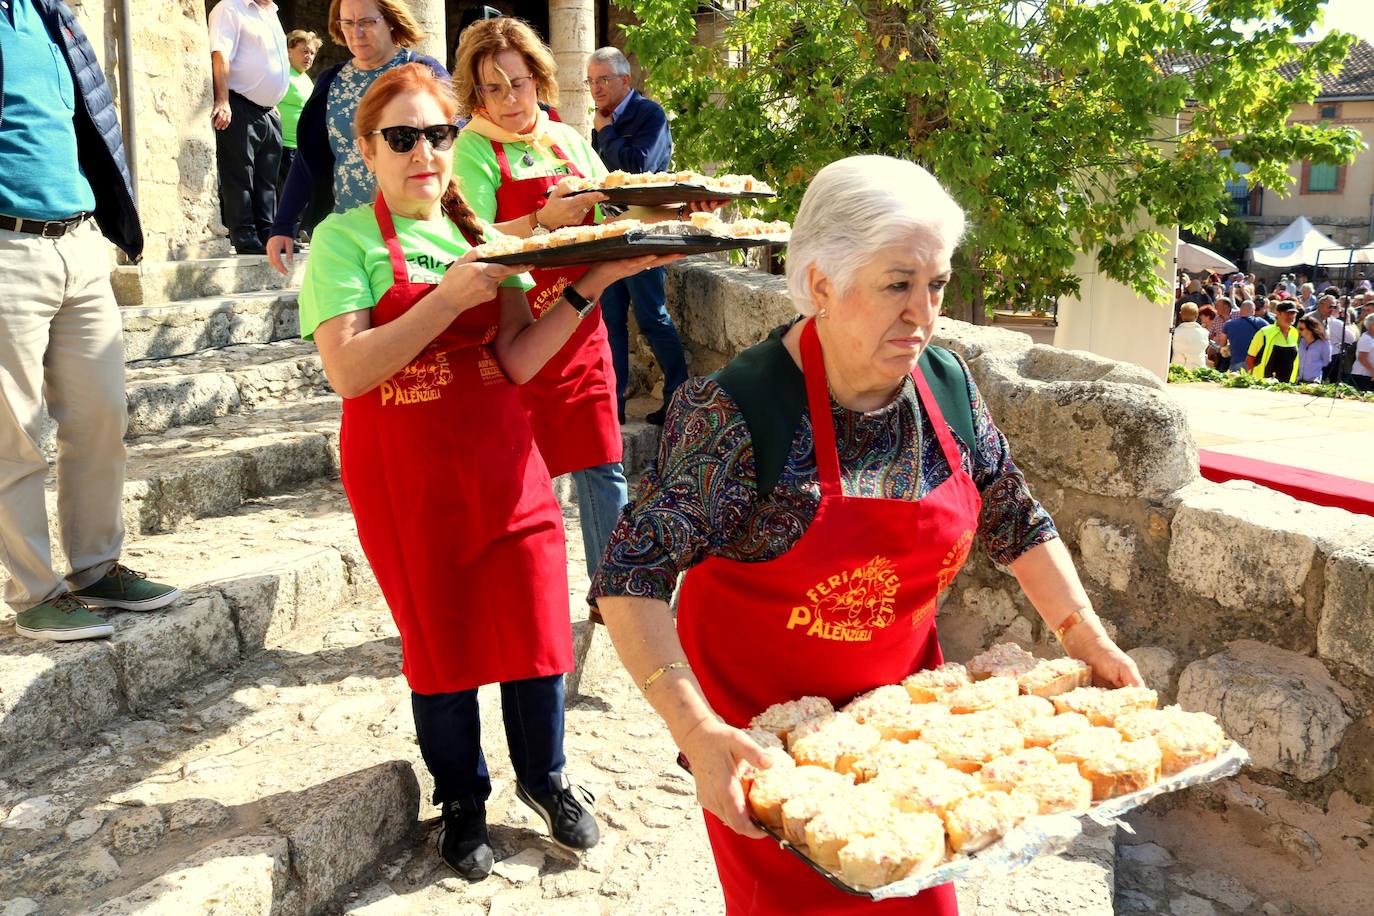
[1229, 239]
[1056, 124]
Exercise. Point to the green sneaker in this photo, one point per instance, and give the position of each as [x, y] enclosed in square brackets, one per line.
[61, 619]
[128, 590]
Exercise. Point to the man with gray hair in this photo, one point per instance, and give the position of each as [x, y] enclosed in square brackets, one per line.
[1238, 332]
[631, 135]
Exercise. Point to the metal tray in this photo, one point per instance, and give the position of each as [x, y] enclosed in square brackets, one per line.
[662, 195]
[1048, 834]
[630, 245]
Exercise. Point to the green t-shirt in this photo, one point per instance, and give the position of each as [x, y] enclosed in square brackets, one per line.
[298, 89]
[349, 267]
[479, 175]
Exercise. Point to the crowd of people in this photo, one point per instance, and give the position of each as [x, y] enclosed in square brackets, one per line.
[843, 446]
[1290, 332]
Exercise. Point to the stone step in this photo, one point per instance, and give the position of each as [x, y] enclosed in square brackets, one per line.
[174, 281]
[207, 323]
[198, 472]
[295, 778]
[195, 472]
[197, 389]
[249, 577]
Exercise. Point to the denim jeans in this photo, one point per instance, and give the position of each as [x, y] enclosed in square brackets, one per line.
[645, 291]
[601, 494]
[449, 727]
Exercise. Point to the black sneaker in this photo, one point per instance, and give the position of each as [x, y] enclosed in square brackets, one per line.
[565, 813]
[656, 417]
[464, 844]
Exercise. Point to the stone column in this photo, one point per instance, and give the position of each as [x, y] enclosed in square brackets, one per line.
[572, 36]
[178, 199]
[430, 15]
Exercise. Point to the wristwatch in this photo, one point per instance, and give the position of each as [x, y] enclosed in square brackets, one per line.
[578, 301]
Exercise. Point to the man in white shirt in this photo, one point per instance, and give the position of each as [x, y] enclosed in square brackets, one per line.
[1340, 332]
[251, 72]
[1362, 373]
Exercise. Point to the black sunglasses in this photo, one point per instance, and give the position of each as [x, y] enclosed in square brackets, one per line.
[402, 138]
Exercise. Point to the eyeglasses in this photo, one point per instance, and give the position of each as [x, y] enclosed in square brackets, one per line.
[402, 137]
[496, 91]
[367, 23]
[601, 81]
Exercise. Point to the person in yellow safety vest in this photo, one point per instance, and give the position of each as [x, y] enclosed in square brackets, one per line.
[1274, 350]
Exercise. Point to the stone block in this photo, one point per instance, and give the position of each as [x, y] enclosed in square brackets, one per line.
[1156, 665]
[304, 584]
[51, 691]
[153, 408]
[1346, 631]
[725, 308]
[177, 329]
[338, 830]
[244, 876]
[137, 831]
[1107, 553]
[1106, 438]
[1284, 708]
[157, 282]
[1278, 537]
[154, 651]
[973, 340]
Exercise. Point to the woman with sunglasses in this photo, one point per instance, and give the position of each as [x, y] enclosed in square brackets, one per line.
[1314, 350]
[328, 175]
[454, 506]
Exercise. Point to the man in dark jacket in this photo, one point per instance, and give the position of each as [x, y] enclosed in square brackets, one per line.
[631, 134]
[60, 331]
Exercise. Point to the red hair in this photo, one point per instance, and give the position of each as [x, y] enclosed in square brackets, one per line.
[417, 79]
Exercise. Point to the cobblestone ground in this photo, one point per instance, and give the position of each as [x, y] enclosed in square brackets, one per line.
[1150, 880]
[225, 756]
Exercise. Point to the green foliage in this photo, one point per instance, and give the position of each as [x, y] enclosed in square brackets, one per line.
[1179, 375]
[1056, 124]
[1228, 239]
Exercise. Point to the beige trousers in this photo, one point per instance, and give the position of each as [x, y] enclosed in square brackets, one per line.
[61, 342]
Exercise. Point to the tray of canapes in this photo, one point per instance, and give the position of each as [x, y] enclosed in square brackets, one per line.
[660, 189]
[629, 238]
[991, 765]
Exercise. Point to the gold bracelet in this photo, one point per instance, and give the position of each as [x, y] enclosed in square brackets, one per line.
[658, 673]
[1069, 622]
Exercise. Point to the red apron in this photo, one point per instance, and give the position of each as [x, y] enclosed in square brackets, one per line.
[849, 607]
[571, 401]
[454, 506]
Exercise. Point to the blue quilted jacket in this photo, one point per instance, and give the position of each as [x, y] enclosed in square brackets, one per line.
[98, 142]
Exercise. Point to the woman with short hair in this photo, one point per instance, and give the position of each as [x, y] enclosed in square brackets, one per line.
[819, 493]
[328, 174]
[301, 48]
[1190, 339]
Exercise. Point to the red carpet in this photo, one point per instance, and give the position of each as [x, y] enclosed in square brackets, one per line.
[1309, 486]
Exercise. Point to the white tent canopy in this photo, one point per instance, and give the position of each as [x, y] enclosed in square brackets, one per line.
[1298, 244]
[1342, 257]
[1195, 259]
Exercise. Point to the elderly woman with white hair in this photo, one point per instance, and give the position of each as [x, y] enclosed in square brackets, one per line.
[819, 493]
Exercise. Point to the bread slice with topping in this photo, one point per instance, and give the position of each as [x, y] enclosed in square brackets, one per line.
[981, 820]
[931, 684]
[1053, 676]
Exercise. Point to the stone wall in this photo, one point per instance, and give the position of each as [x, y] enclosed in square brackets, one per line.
[1232, 598]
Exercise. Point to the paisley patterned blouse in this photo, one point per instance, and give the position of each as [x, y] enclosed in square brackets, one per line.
[353, 184]
[699, 497]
